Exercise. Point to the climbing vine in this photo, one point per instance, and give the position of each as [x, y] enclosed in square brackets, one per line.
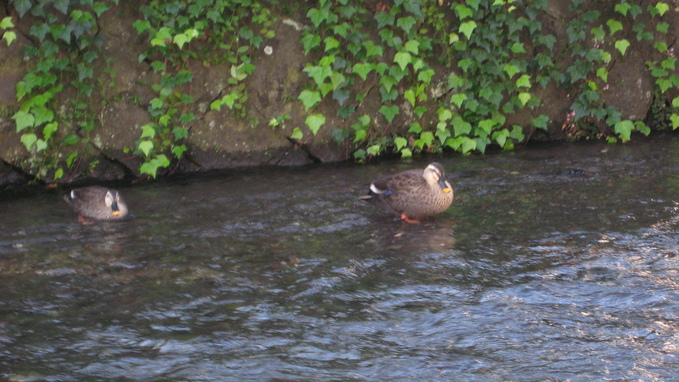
[458, 73]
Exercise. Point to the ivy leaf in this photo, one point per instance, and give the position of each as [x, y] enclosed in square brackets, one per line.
[99, 8]
[662, 8]
[42, 115]
[458, 99]
[362, 69]
[9, 36]
[384, 19]
[40, 145]
[463, 11]
[178, 151]
[540, 122]
[400, 142]
[403, 59]
[22, 6]
[49, 129]
[23, 120]
[388, 82]
[296, 134]
[487, 125]
[642, 128]
[622, 46]
[523, 81]
[318, 73]
[28, 140]
[517, 47]
[413, 46]
[146, 147]
[181, 39]
[602, 73]
[147, 131]
[372, 50]
[406, 153]
[389, 112]
[314, 122]
[331, 43]
[406, 23]
[59, 173]
[614, 26]
[524, 98]
[501, 137]
[622, 8]
[309, 98]
[409, 95]
[675, 121]
[426, 76]
[467, 28]
[624, 129]
[460, 126]
[310, 41]
[511, 70]
[675, 102]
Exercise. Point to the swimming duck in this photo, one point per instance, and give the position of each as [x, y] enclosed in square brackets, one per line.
[413, 194]
[97, 202]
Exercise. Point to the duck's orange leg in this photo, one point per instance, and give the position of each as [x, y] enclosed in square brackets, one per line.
[409, 220]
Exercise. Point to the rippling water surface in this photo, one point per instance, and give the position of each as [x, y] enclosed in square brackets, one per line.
[554, 263]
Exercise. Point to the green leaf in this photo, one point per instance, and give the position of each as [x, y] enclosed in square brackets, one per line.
[58, 174]
[180, 39]
[178, 151]
[23, 120]
[389, 112]
[146, 147]
[511, 70]
[501, 136]
[406, 153]
[614, 26]
[49, 129]
[517, 48]
[362, 69]
[675, 102]
[524, 97]
[400, 142]
[331, 43]
[412, 46]
[403, 59]
[147, 131]
[309, 98]
[467, 28]
[9, 36]
[6, 23]
[151, 167]
[540, 122]
[675, 121]
[425, 76]
[622, 8]
[624, 129]
[458, 99]
[523, 81]
[28, 140]
[318, 73]
[314, 122]
[662, 8]
[42, 115]
[463, 11]
[409, 95]
[310, 41]
[296, 134]
[602, 73]
[40, 145]
[406, 23]
[622, 45]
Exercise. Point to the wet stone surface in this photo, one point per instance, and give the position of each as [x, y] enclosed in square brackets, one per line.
[556, 262]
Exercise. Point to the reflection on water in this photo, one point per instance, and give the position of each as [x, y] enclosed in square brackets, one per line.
[553, 263]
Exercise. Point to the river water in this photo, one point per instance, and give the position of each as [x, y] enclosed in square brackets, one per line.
[557, 262]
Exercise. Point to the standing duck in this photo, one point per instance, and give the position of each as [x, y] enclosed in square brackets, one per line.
[97, 203]
[413, 194]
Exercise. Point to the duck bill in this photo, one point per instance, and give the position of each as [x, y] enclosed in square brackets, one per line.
[444, 186]
[116, 212]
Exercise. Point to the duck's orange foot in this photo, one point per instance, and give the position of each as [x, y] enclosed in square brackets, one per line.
[409, 220]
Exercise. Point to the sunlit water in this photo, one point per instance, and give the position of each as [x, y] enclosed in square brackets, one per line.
[554, 263]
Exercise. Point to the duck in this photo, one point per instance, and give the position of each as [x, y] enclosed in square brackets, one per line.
[413, 194]
[97, 202]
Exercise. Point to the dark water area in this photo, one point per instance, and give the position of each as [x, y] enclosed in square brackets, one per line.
[554, 263]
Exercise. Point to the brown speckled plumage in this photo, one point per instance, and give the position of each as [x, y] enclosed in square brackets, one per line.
[97, 202]
[413, 194]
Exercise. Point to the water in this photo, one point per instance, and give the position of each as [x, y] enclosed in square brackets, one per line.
[554, 263]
